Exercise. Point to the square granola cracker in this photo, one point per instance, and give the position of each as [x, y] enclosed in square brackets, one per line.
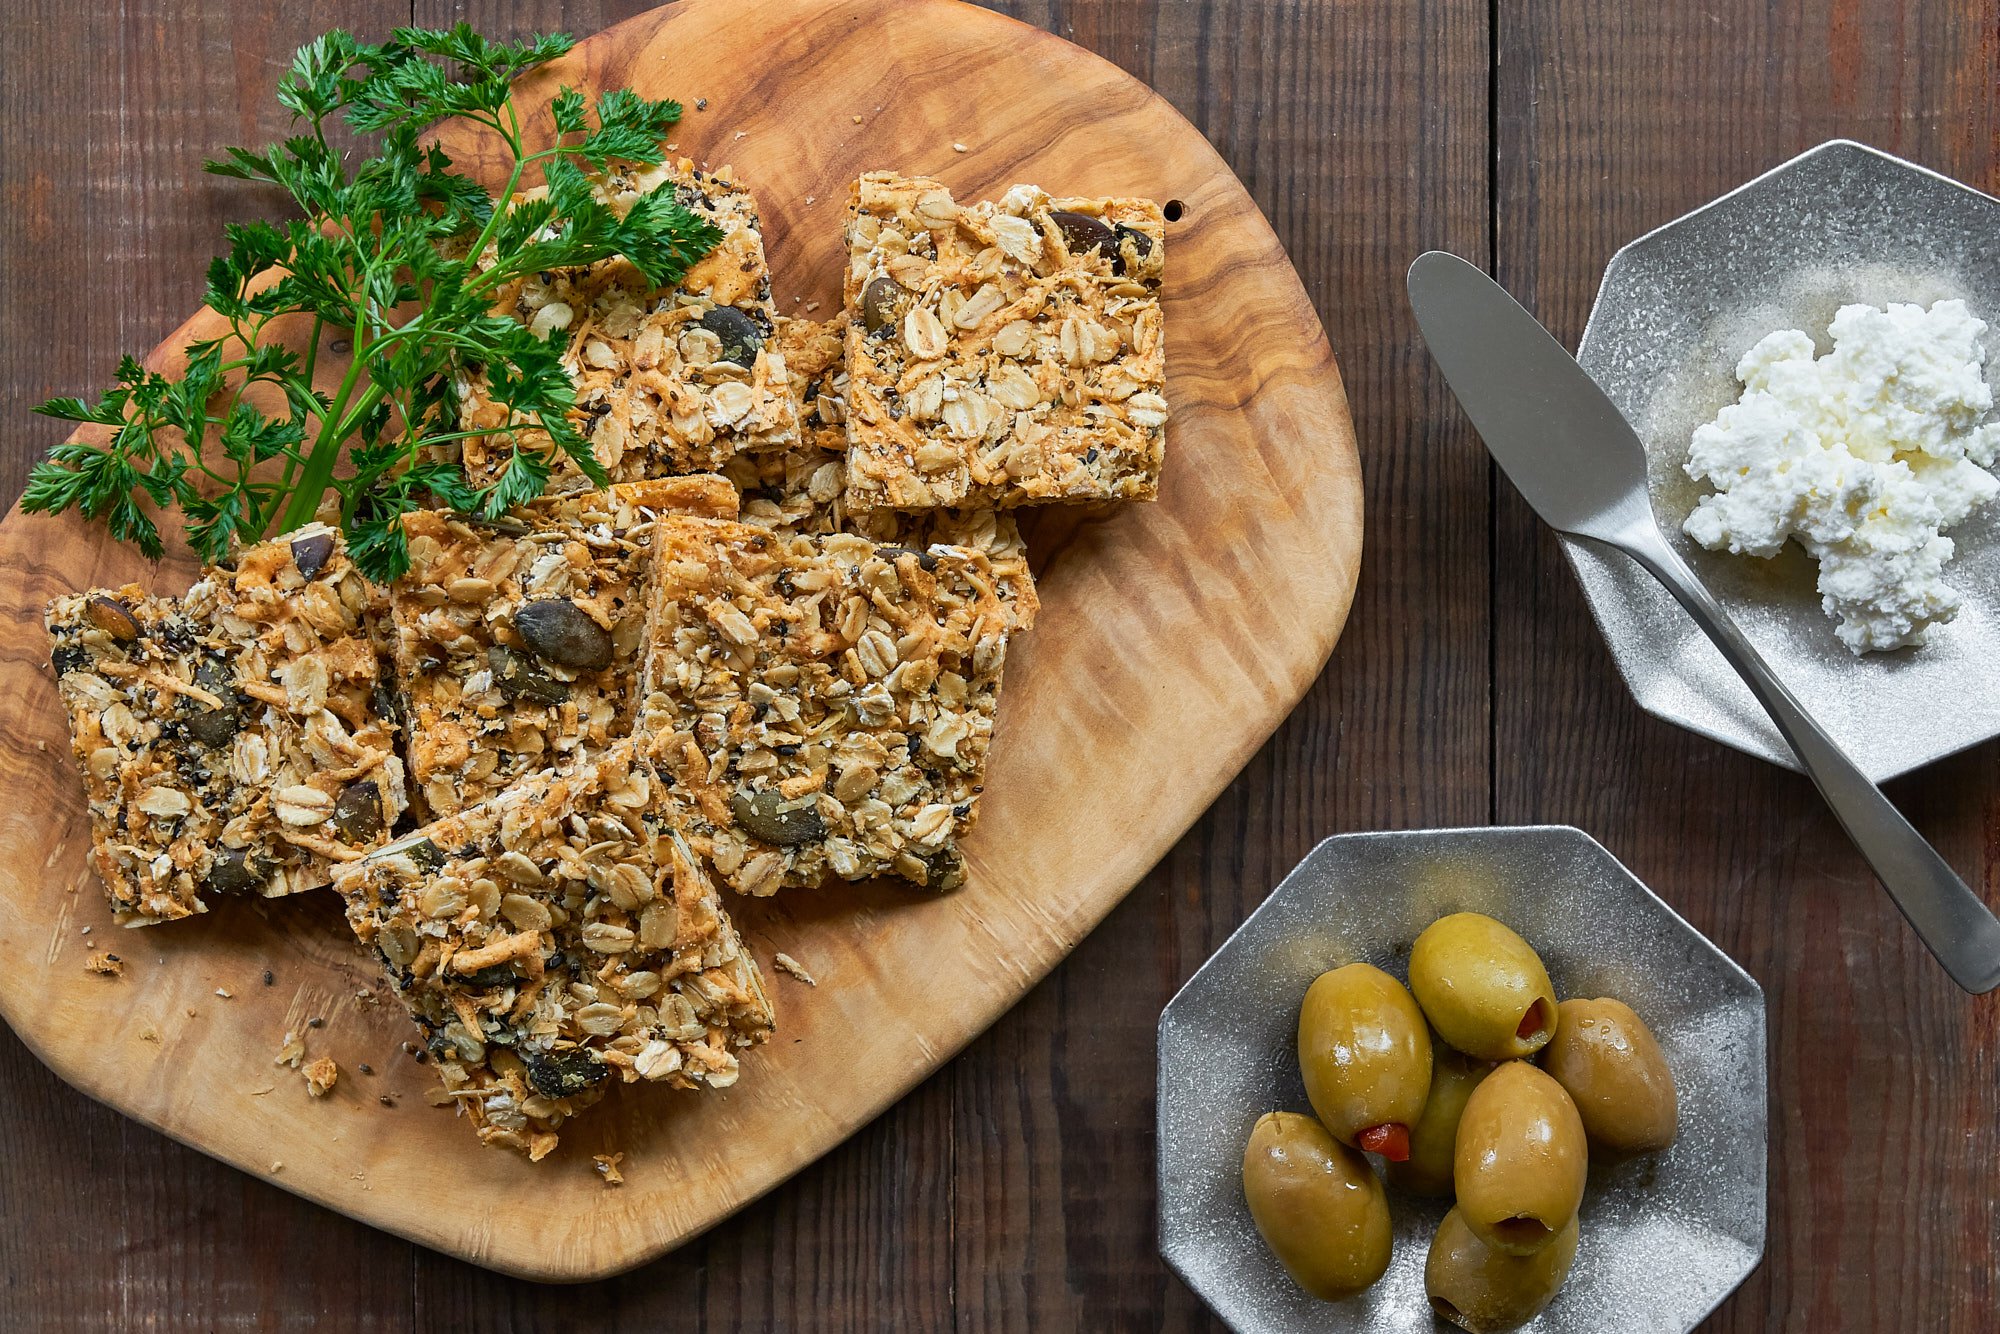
[823, 704]
[239, 739]
[802, 490]
[517, 643]
[557, 937]
[1001, 354]
[669, 381]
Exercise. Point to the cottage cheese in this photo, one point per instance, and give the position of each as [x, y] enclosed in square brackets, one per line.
[1865, 455]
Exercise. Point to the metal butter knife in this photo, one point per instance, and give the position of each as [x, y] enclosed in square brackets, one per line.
[1577, 461]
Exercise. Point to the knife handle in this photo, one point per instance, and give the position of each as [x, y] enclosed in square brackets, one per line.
[1952, 921]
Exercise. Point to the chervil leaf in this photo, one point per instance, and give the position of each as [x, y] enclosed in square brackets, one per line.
[248, 436]
[312, 87]
[663, 238]
[243, 165]
[629, 128]
[524, 477]
[108, 411]
[567, 110]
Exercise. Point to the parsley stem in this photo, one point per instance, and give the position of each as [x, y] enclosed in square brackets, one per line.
[318, 474]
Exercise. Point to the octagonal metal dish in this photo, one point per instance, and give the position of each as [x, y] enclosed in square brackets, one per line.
[1678, 307]
[1664, 1238]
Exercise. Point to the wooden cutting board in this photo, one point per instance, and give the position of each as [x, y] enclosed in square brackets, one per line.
[1173, 638]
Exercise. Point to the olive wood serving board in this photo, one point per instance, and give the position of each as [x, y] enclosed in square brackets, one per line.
[1174, 637]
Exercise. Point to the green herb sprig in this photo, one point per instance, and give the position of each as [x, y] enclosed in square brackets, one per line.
[404, 256]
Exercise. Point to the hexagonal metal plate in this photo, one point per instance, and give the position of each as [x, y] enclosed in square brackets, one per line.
[1664, 1239]
[1678, 308]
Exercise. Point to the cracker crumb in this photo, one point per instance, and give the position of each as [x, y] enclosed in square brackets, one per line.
[224, 993]
[277, 1167]
[292, 1051]
[106, 963]
[742, 134]
[607, 1167]
[787, 964]
[86, 931]
[148, 1035]
[321, 1076]
[811, 306]
[958, 148]
[811, 200]
[857, 120]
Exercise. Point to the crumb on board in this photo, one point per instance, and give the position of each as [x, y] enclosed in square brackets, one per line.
[701, 104]
[278, 1166]
[148, 1035]
[607, 1167]
[291, 1051]
[386, 1100]
[857, 120]
[106, 963]
[224, 992]
[958, 148]
[365, 1068]
[321, 1076]
[85, 931]
[269, 977]
[315, 1022]
[811, 306]
[787, 964]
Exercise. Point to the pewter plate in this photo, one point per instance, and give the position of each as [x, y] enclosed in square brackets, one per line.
[1664, 1239]
[1677, 309]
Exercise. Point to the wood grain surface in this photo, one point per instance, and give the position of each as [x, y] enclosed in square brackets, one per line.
[1013, 1190]
[1173, 638]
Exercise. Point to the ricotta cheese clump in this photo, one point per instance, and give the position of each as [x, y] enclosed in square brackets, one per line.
[1865, 455]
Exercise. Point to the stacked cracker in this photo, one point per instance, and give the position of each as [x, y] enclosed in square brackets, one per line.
[769, 655]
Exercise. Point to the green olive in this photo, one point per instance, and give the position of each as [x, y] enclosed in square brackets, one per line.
[1432, 1139]
[1520, 1160]
[1366, 1057]
[1485, 1291]
[1317, 1205]
[1483, 987]
[1608, 1062]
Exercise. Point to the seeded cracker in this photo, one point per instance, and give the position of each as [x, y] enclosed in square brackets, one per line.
[517, 643]
[1001, 354]
[667, 381]
[824, 704]
[236, 740]
[802, 490]
[553, 938]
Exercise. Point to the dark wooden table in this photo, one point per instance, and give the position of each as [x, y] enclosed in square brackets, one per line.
[1014, 1190]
